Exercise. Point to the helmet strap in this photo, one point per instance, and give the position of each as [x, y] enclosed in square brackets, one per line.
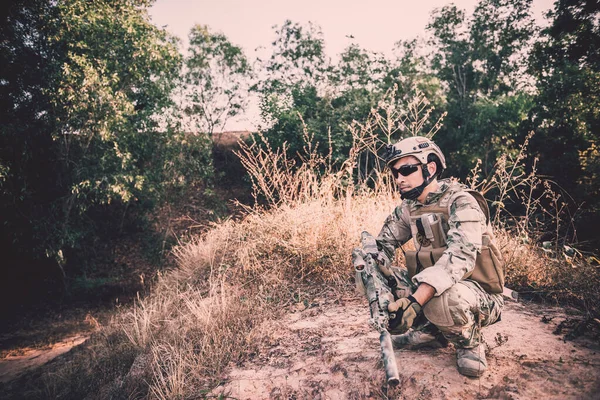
[414, 193]
[425, 171]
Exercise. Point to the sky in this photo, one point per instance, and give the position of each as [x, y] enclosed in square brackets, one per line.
[375, 25]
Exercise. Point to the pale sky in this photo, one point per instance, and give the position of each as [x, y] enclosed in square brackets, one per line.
[376, 25]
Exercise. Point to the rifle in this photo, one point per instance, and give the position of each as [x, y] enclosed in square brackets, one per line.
[378, 284]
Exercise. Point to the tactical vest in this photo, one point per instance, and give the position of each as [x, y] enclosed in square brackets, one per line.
[429, 225]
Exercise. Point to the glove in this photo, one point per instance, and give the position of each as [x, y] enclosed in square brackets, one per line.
[406, 310]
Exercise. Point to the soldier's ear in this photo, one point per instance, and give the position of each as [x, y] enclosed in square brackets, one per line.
[432, 168]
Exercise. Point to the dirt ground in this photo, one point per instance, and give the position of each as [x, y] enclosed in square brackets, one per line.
[328, 351]
[13, 365]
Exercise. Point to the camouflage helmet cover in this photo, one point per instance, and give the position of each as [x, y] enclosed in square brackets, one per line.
[417, 146]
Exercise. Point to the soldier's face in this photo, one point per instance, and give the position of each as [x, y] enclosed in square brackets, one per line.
[411, 181]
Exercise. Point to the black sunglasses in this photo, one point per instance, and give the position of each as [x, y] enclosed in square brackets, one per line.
[405, 170]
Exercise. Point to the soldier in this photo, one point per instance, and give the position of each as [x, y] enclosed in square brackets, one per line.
[452, 283]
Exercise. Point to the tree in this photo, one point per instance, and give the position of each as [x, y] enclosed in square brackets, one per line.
[566, 66]
[84, 86]
[302, 90]
[479, 61]
[292, 85]
[217, 80]
[298, 59]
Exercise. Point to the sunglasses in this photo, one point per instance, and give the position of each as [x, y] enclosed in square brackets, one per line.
[405, 170]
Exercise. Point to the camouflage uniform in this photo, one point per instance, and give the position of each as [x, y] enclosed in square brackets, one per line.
[460, 307]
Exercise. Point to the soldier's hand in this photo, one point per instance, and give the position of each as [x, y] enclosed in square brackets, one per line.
[405, 311]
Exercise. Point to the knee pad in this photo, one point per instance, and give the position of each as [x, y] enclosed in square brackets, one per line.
[453, 307]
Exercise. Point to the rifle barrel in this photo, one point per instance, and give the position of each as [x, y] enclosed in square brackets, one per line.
[389, 360]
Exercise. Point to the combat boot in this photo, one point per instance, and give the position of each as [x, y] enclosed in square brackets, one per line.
[413, 340]
[471, 362]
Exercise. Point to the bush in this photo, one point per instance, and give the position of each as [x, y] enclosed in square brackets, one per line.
[85, 132]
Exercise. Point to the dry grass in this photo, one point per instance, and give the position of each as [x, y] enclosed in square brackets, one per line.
[534, 229]
[208, 313]
[178, 341]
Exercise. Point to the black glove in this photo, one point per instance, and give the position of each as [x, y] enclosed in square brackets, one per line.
[403, 313]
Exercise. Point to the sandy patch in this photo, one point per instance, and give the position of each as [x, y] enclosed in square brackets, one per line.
[329, 352]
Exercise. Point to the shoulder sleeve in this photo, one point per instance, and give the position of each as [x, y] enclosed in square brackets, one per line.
[394, 233]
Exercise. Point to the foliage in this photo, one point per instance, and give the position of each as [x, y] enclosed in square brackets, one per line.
[216, 80]
[479, 59]
[566, 66]
[292, 83]
[85, 86]
[303, 89]
[298, 59]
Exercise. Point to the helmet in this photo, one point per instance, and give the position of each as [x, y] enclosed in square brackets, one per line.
[425, 150]
[417, 146]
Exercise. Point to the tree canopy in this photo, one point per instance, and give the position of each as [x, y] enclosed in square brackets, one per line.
[85, 87]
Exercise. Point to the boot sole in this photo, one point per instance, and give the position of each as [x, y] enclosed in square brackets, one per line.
[471, 372]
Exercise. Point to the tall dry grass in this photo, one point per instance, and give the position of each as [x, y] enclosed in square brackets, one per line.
[211, 311]
[535, 230]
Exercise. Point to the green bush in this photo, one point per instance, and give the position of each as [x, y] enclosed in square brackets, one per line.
[86, 129]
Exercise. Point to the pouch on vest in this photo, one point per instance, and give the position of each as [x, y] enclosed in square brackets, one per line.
[432, 225]
[428, 231]
[489, 271]
[416, 261]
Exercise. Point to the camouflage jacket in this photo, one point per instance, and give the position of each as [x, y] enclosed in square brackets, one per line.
[464, 230]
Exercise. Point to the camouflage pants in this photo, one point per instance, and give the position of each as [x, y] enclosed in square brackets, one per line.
[459, 313]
